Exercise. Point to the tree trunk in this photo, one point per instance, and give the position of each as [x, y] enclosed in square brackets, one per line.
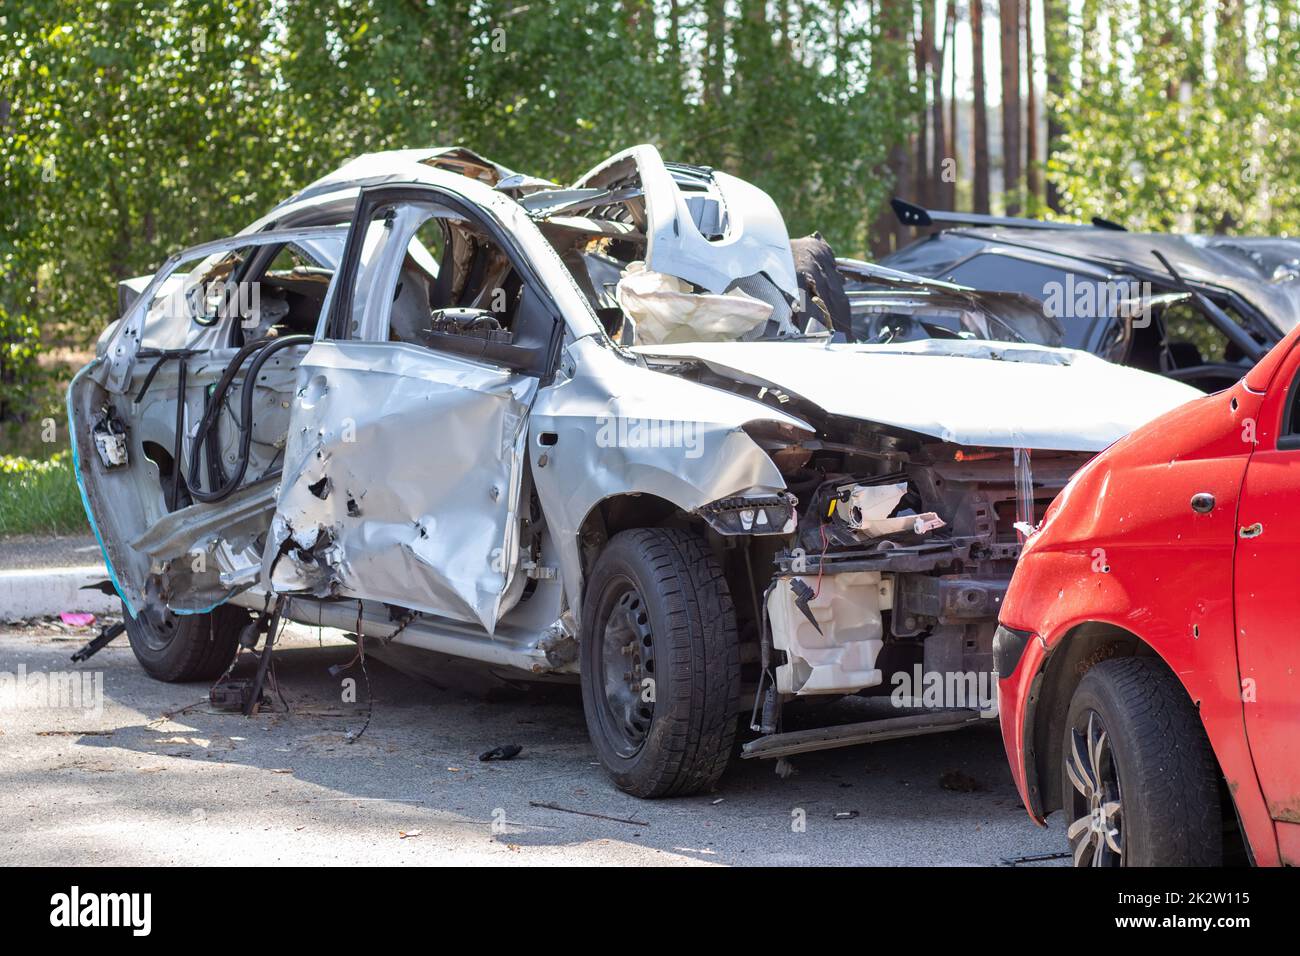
[1057, 68]
[924, 53]
[675, 41]
[942, 156]
[1033, 172]
[715, 57]
[980, 124]
[1010, 32]
[887, 233]
[953, 138]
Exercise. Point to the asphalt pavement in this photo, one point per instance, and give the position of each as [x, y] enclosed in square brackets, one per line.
[141, 772]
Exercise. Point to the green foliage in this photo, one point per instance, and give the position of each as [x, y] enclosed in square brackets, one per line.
[39, 497]
[1180, 117]
[134, 127]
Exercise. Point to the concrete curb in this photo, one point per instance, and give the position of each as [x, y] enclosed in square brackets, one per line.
[43, 591]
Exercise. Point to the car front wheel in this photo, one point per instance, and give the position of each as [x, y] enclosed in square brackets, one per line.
[185, 647]
[660, 663]
[1139, 782]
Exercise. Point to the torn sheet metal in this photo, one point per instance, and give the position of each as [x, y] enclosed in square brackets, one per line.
[716, 230]
[401, 480]
[339, 190]
[665, 309]
[372, 168]
[969, 393]
[194, 557]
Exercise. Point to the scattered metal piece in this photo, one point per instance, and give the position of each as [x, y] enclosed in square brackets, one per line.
[586, 813]
[106, 635]
[843, 735]
[1033, 858]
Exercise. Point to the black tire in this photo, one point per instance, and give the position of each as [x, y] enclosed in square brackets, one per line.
[658, 601]
[185, 647]
[1158, 803]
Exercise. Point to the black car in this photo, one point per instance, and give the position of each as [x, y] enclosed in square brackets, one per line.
[1199, 309]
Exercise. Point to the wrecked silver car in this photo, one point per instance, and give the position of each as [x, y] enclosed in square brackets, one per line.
[616, 431]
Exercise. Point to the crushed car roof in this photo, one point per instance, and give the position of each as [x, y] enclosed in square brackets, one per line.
[1265, 271]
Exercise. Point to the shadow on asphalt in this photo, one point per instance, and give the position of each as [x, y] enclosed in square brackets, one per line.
[421, 750]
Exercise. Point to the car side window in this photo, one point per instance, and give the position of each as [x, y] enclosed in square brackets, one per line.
[203, 295]
[429, 276]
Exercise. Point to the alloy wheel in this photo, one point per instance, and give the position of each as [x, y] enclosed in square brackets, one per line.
[1095, 806]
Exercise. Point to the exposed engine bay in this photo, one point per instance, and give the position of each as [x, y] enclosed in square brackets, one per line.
[902, 550]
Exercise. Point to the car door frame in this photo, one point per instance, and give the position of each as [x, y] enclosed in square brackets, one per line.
[442, 595]
[122, 346]
[373, 198]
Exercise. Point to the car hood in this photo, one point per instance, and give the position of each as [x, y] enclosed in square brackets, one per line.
[966, 392]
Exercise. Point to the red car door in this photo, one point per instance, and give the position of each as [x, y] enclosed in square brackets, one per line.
[1267, 601]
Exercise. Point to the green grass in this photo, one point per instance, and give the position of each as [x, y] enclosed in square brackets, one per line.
[40, 496]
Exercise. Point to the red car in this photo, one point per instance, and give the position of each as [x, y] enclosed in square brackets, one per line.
[1149, 652]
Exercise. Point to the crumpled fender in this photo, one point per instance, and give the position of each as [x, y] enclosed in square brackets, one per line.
[615, 427]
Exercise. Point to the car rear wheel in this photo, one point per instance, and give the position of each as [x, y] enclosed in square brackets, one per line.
[660, 663]
[1139, 783]
[185, 647]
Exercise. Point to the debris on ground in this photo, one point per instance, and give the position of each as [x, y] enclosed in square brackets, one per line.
[77, 618]
[587, 813]
[504, 752]
[233, 696]
[107, 634]
[1034, 858]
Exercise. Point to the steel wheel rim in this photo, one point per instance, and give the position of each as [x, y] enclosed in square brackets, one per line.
[627, 670]
[160, 627]
[1096, 831]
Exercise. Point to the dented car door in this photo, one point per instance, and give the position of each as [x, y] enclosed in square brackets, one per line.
[405, 457]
